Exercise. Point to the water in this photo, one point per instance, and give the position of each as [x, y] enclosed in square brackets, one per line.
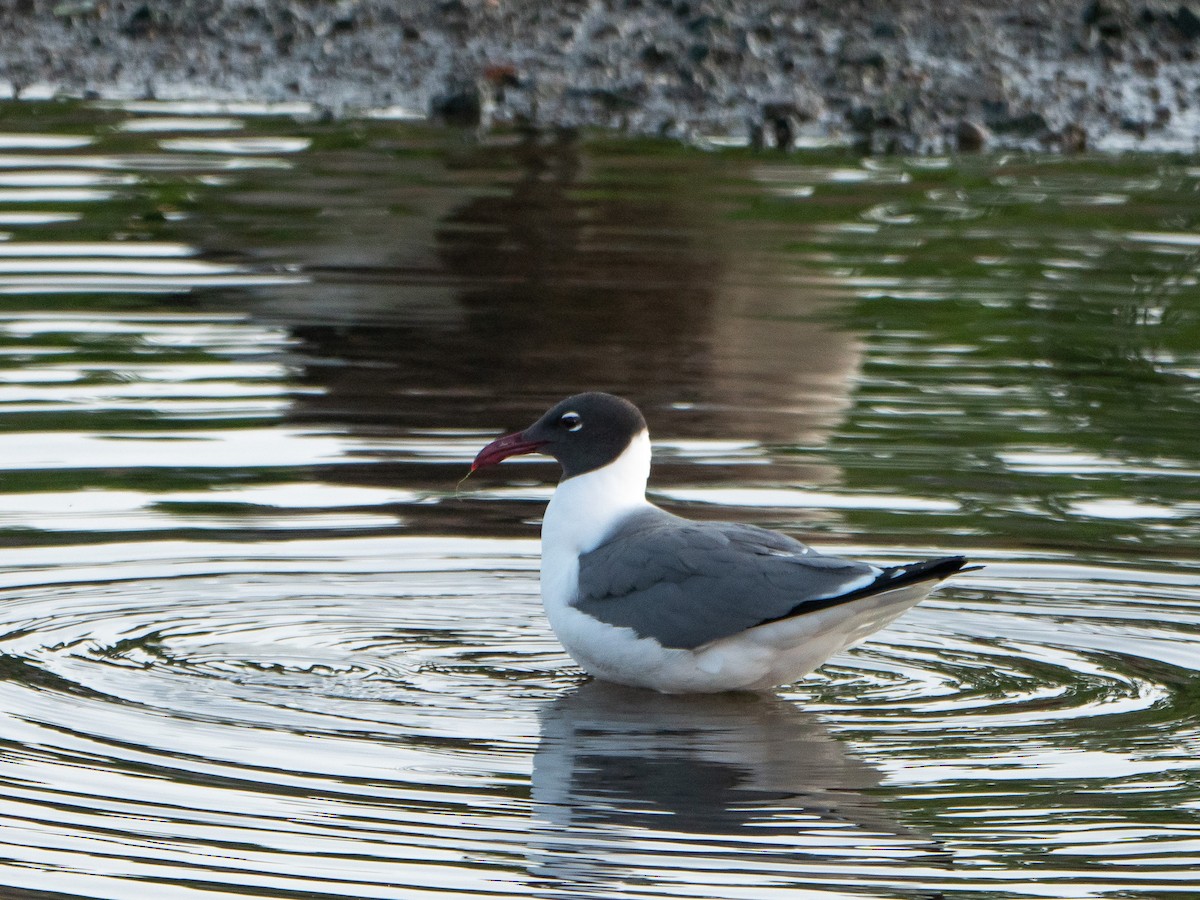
[255, 643]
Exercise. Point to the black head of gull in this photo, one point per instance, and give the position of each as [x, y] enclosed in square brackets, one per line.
[584, 432]
[643, 597]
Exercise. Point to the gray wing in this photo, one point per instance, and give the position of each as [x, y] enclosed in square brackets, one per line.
[686, 583]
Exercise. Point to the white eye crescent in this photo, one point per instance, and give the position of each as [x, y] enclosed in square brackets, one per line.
[570, 421]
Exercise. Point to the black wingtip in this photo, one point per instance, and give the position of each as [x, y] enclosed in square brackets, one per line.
[895, 576]
[889, 579]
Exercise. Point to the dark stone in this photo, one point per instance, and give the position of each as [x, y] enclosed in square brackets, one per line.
[463, 107]
[410, 33]
[342, 24]
[1028, 124]
[1146, 66]
[453, 9]
[140, 23]
[868, 119]
[885, 30]
[698, 52]
[1100, 15]
[1187, 23]
[1135, 127]
[1112, 50]
[723, 56]
[888, 120]
[779, 124]
[972, 137]
[656, 57]
[861, 118]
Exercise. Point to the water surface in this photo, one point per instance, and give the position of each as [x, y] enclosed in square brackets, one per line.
[254, 642]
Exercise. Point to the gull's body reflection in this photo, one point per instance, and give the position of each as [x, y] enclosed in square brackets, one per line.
[691, 792]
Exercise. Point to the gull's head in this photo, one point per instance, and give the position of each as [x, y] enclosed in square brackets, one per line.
[584, 432]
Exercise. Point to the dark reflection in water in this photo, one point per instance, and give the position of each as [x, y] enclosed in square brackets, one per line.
[538, 267]
[560, 270]
[558, 289]
[623, 776]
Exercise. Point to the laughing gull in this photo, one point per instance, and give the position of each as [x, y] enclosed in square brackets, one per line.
[646, 598]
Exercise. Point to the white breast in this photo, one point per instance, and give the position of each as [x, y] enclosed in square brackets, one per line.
[582, 513]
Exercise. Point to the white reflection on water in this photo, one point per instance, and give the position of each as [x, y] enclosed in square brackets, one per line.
[136, 284]
[189, 108]
[38, 218]
[1179, 238]
[795, 498]
[65, 179]
[36, 141]
[181, 123]
[1121, 508]
[239, 447]
[303, 504]
[157, 267]
[54, 195]
[141, 162]
[1062, 460]
[248, 145]
[70, 249]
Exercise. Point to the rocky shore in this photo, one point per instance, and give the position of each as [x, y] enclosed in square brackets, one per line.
[909, 77]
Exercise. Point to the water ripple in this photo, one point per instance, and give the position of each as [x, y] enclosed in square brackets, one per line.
[252, 644]
[255, 703]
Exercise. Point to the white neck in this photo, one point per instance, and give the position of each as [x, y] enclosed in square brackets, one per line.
[585, 509]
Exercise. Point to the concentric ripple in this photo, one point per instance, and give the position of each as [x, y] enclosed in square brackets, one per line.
[391, 717]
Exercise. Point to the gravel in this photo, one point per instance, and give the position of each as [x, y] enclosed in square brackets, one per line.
[904, 77]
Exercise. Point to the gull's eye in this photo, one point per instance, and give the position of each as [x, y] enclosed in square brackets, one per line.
[570, 421]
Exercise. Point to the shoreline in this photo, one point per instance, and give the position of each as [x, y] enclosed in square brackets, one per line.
[916, 79]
